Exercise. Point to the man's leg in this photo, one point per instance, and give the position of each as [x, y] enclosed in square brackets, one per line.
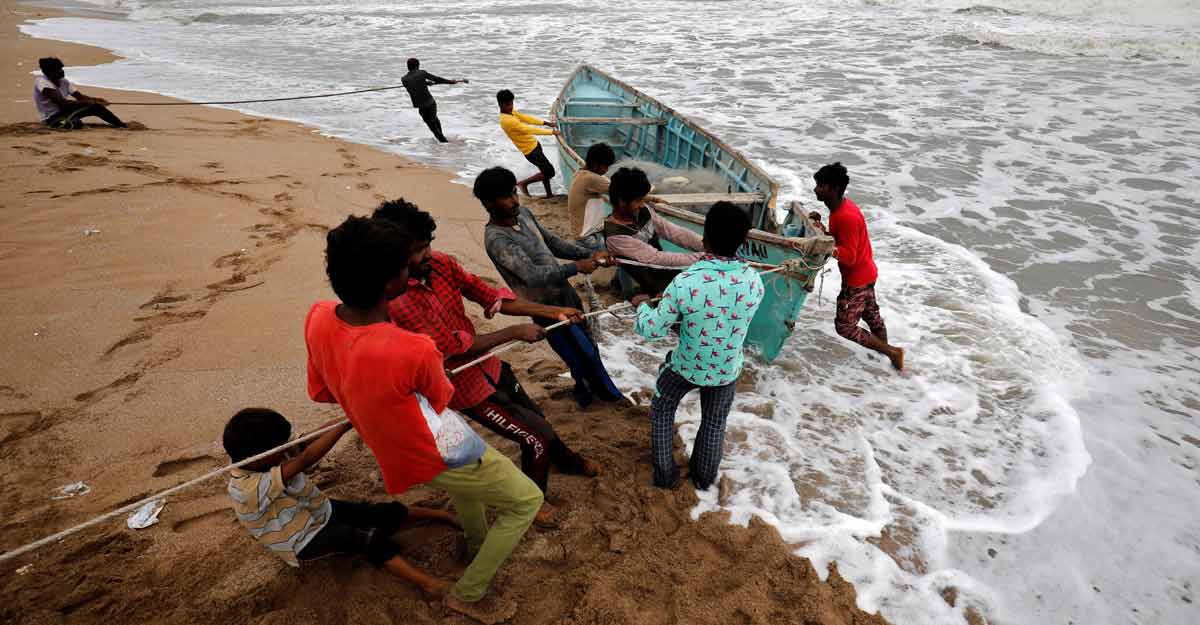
[389, 516]
[495, 482]
[851, 303]
[669, 390]
[354, 529]
[598, 379]
[529, 430]
[564, 458]
[560, 341]
[429, 114]
[524, 184]
[715, 402]
[81, 110]
[545, 170]
[870, 314]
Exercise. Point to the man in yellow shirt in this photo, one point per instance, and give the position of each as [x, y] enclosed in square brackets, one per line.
[523, 130]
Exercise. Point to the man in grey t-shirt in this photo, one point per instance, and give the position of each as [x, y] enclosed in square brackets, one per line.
[417, 82]
[526, 255]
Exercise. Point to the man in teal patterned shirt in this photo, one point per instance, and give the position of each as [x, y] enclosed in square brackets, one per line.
[713, 302]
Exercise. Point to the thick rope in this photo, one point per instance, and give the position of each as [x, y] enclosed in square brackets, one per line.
[299, 97]
[214, 473]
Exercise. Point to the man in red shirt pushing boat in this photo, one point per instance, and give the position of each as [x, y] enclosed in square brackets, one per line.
[856, 261]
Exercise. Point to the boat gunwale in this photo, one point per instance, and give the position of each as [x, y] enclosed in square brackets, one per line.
[560, 103]
[761, 235]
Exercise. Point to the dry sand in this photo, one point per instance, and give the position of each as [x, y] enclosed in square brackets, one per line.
[156, 281]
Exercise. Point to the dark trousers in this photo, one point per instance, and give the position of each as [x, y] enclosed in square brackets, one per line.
[577, 349]
[511, 413]
[73, 113]
[358, 528]
[715, 402]
[429, 114]
[538, 158]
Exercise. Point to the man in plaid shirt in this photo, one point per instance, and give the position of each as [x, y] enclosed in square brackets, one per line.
[489, 391]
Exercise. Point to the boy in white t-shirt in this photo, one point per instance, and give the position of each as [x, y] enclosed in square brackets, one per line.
[50, 93]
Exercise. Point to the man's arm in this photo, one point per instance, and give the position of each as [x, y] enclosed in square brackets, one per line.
[315, 450]
[676, 234]
[597, 186]
[633, 248]
[560, 247]
[655, 322]
[86, 99]
[428, 373]
[528, 119]
[528, 332]
[525, 308]
[317, 389]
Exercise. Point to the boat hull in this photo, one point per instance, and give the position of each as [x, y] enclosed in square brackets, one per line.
[595, 107]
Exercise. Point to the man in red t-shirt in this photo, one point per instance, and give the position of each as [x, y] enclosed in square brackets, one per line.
[488, 392]
[856, 261]
[392, 385]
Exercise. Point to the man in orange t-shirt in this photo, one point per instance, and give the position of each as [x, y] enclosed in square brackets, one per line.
[393, 388]
[856, 261]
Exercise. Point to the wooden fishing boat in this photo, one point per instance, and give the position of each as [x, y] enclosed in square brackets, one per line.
[594, 107]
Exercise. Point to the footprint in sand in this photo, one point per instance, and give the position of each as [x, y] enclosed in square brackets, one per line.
[162, 299]
[283, 197]
[186, 463]
[16, 424]
[212, 518]
[363, 186]
[9, 392]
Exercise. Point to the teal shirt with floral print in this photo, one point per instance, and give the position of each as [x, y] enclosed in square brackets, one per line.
[713, 301]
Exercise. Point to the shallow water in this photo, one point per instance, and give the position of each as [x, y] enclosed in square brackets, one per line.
[1029, 175]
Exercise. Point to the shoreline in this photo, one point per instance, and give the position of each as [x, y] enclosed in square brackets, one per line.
[133, 344]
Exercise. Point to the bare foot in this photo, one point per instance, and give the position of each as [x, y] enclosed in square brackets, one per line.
[897, 358]
[547, 517]
[592, 469]
[524, 189]
[489, 610]
[436, 588]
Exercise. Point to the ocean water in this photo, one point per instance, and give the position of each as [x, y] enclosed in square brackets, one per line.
[1029, 171]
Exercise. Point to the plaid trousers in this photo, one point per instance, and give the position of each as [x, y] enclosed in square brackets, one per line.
[715, 402]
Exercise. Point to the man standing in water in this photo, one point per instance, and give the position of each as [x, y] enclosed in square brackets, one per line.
[856, 261]
[50, 93]
[712, 302]
[518, 127]
[417, 82]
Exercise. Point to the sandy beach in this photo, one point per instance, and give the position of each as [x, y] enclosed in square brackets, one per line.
[156, 281]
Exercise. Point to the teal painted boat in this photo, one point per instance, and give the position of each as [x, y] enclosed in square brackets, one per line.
[594, 107]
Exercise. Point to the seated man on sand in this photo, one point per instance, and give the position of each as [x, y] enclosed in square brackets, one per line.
[527, 262]
[285, 511]
[633, 232]
[50, 93]
[488, 392]
[393, 387]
